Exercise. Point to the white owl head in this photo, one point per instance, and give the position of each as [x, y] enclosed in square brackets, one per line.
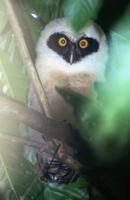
[61, 48]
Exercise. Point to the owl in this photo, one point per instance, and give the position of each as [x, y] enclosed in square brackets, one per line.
[70, 60]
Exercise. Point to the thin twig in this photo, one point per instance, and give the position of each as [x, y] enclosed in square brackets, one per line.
[8, 177]
[29, 188]
[49, 147]
[74, 164]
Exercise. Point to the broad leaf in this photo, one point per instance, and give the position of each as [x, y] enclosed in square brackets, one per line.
[80, 12]
[75, 191]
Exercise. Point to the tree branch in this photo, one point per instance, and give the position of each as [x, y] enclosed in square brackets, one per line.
[20, 112]
[15, 139]
[34, 119]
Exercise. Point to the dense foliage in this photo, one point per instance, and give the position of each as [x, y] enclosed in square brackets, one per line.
[103, 123]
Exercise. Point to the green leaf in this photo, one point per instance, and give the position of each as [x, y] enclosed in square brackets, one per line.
[75, 191]
[39, 13]
[73, 10]
[80, 12]
[12, 71]
[19, 179]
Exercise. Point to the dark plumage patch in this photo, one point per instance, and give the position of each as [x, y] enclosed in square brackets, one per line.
[93, 46]
[72, 47]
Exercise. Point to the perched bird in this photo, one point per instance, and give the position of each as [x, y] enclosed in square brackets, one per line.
[70, 60]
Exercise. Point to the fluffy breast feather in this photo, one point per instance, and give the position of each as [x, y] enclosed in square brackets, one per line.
[79, 83]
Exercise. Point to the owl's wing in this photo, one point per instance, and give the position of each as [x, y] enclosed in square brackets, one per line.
[32, 102]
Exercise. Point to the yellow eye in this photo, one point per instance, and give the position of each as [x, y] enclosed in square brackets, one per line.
[62, 41]
[83, 43]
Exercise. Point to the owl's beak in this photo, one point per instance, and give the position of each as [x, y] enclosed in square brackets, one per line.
[71, 57]
[72, 54]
